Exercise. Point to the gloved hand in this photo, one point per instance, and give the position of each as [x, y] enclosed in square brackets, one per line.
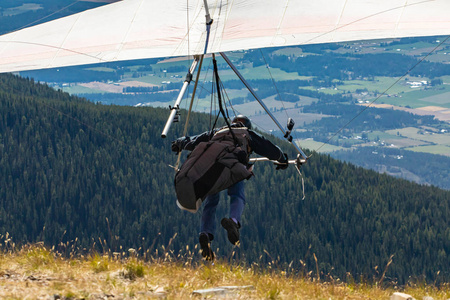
[176, 147]
[283, 162]
[179, 144]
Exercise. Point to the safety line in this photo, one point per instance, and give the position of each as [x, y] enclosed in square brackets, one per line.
[384, 93]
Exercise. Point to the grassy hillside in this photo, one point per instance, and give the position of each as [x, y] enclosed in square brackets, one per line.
[35, 272]
[98, 177]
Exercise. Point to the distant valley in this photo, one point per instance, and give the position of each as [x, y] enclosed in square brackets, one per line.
[413, 115]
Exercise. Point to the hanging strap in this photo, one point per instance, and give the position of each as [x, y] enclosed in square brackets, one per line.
[219, 95]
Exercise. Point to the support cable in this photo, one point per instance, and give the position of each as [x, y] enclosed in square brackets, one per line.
[274, 84]
[250, 89]
[228, 100]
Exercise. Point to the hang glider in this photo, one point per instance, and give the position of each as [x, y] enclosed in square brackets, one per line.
[136, 29]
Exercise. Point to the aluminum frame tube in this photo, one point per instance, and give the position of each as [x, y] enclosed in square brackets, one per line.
[176, 106]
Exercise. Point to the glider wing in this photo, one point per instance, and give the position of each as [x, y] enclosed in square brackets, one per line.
[137, 29]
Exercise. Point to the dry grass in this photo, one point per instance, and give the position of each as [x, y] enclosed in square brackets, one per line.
[35, 272]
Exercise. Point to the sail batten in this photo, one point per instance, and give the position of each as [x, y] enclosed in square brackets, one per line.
[137, 29]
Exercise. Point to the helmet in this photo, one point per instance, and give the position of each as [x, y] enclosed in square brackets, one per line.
[244, 120]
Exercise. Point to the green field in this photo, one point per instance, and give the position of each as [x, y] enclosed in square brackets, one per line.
[419, 46]
[405, 142]
[446, 79]
[433, 149]
[379, 84]
[421, 98]
[101, 69]
[413, 133]
[439, 99]
[291, 51]
[158, 79]
[78, 89]
[374, 135]
[439, 57]
[318, 146]
[258, 73]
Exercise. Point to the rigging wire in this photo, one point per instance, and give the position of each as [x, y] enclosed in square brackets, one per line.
[211, 110]
[204, 80]
[212, 103]
[235, 112]
[273, 81]
[384, 93]
[276, 88]
[219, 95]
[228, 99]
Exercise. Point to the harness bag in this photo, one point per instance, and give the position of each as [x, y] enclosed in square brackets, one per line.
[212, 167]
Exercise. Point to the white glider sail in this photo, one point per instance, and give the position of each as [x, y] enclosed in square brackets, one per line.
[136, 29]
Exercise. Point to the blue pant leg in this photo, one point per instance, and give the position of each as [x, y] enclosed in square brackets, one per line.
[208, 223]
[237, 200]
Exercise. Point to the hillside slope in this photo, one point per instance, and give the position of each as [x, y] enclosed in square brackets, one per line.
[97, 177]
[42, 274]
